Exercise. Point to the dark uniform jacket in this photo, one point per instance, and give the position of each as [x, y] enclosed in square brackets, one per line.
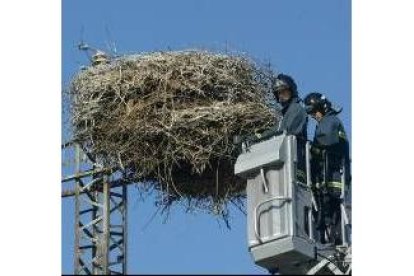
[330, 135]
[294, 121]
[330, 143]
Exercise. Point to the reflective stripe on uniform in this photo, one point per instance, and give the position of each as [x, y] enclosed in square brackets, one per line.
[331, 184]
[335, 184]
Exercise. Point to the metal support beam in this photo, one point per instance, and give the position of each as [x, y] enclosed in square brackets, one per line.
[89, 187]
[77, 262]
[100, 218]
[105, 226]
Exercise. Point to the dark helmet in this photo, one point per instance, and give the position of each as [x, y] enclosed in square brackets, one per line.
[285, 82]
[317, 102]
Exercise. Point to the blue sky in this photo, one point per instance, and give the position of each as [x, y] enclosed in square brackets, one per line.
[310, 40]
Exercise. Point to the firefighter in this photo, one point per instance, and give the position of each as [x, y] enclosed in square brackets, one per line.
[294, 120]
[329, 153]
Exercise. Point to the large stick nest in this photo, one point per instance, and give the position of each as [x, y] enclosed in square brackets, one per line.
[168, 118]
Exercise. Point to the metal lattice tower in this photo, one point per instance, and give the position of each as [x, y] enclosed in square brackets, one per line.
[100, 215]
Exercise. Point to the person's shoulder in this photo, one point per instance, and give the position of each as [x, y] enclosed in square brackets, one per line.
[296, 105]
[332, 119]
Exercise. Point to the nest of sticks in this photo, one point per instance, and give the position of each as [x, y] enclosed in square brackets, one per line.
[167, 120]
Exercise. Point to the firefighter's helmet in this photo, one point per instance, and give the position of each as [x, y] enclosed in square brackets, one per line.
[316, 101]
[285, 82]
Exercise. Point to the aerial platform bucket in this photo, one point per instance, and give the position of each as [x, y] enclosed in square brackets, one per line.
[279, 224]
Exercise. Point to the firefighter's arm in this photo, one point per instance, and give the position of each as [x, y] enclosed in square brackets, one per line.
[265, 134]
[297, 123]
